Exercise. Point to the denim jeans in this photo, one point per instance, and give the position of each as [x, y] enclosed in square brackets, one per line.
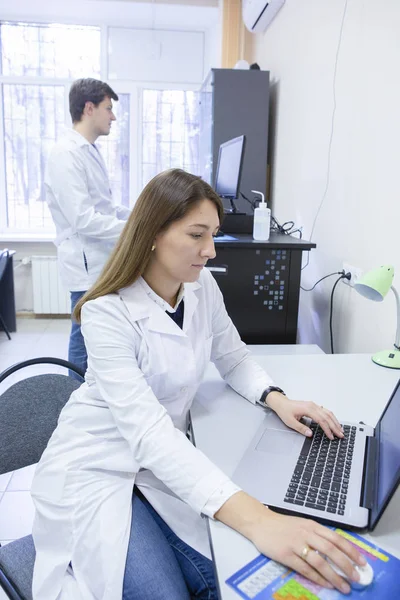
[76, 351]
[159, 565]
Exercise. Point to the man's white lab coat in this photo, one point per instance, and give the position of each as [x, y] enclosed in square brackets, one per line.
[88, 223]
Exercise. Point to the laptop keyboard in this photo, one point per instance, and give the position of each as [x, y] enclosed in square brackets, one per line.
[321, 476]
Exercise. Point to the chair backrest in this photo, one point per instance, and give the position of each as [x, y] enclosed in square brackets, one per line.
[4, 256]
[29, 411]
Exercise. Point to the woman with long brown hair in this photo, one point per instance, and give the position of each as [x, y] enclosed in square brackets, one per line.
[120, 489]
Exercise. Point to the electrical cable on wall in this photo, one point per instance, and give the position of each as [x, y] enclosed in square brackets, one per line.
[343, 275]
[325, 277]
[328, 173]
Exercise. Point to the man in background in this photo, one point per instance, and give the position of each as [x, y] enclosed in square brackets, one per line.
[87, 221]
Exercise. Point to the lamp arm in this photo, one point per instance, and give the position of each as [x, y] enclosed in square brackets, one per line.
[396, 295]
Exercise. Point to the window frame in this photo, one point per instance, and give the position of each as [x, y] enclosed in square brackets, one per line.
[188, 87]
[133, 88]
[8, 80]
[15, 80]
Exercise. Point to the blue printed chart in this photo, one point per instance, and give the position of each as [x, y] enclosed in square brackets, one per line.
[264, 579]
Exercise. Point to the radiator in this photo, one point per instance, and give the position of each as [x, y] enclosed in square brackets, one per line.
[49, 296]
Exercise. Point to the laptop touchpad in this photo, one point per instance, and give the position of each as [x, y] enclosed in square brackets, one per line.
[278, 442]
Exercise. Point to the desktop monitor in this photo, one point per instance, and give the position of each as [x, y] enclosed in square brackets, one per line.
[229, 169]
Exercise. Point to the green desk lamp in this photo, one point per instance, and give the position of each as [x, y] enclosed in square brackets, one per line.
[374, 285]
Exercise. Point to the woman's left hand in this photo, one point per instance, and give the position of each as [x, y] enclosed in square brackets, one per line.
[291, 411]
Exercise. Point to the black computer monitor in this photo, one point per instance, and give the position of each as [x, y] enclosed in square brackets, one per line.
[229, 169]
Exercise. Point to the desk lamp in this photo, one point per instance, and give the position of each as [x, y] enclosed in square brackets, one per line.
[374, 285]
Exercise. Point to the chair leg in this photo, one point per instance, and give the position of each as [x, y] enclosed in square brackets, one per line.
[4, 327]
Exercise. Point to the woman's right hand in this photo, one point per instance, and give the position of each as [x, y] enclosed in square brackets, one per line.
[298, 543]
[302, 544]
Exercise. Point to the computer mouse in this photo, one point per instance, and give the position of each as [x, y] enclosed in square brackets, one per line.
[366, 575]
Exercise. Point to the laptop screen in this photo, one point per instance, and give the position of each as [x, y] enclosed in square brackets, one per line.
[387, 435]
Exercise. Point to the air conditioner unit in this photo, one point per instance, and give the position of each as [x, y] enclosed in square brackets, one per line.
[258, 14]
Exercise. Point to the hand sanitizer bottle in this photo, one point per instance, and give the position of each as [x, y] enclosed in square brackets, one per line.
[262, 220]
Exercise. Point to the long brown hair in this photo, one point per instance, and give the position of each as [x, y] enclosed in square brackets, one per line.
[168, 197]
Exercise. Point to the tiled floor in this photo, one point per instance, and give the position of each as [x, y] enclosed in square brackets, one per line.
[34, 338]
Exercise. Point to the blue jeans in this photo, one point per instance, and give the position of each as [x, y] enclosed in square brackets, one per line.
[159, 565]
[76, 351]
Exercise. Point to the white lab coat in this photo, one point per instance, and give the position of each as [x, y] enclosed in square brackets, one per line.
[131, 415]
[88, 223]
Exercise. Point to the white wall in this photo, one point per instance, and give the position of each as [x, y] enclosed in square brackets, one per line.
[112, 13]
[359, 219]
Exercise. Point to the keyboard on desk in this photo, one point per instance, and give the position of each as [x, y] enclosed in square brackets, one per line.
[321, 477]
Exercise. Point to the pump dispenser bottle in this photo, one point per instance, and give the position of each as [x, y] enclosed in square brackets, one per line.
[262, 220]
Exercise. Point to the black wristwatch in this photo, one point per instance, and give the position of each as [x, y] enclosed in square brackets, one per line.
[268, 390]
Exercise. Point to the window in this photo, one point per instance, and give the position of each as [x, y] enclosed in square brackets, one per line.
[170, 132]
[33, 119]
[115, 151]
[52, 50]
[38, 63]
[33, 109]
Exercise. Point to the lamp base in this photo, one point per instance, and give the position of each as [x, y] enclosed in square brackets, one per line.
[388, 358]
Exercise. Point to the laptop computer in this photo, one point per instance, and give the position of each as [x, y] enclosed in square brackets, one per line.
[346, 482]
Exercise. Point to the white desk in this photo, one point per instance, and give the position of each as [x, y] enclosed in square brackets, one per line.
[351, 385]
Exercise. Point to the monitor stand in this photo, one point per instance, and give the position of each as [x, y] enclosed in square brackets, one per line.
[236, 222]
[233, 210]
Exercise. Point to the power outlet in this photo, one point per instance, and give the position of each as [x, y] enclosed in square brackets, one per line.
[356, 273]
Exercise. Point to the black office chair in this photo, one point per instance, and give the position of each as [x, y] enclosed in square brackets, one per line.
[4, 257]
[29, 410]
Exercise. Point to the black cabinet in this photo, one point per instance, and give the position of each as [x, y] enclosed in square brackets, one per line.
[235, 102]
[260, 282]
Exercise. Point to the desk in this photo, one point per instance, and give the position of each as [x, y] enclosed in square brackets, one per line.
[7, 297]
[354, 387]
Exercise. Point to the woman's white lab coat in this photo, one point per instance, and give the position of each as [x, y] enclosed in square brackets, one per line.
[131, 415]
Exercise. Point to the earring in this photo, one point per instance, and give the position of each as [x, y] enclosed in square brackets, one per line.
[153, 247]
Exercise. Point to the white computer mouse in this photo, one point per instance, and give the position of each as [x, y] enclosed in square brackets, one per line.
[366, 575]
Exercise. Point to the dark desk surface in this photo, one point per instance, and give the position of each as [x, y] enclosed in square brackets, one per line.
[276, 240]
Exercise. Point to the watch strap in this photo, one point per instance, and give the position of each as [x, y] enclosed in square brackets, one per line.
[268, 390]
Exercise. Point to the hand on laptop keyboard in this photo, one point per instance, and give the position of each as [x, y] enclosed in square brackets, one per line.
[321, 476]
[292, 411]
[299, 543]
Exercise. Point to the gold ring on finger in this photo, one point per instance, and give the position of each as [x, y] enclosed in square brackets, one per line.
[304, 552]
